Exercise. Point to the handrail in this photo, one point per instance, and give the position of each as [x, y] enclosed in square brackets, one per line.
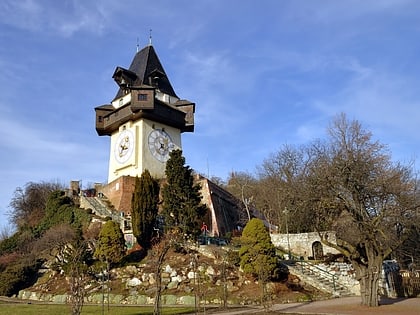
[98, 206]
[310, 267]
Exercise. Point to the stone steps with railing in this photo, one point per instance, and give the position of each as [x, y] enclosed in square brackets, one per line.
[99, 207]
[319, 278]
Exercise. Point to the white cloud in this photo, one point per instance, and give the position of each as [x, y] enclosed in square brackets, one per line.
[63, 18]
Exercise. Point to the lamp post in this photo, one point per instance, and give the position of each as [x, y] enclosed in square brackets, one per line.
[286, 213]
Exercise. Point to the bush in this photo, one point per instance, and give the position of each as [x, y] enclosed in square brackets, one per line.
[9, 244]
[17, 277]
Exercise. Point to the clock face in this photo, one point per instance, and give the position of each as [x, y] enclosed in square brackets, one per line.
[160, 145]
[124, 146]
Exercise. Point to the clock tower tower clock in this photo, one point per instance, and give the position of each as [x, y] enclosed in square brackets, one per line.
[144, 120]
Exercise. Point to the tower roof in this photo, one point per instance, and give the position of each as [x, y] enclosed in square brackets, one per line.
[148, 71]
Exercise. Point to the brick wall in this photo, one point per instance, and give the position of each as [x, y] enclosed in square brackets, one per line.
[119, 192]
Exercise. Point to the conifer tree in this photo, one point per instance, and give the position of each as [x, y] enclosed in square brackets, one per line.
[182, 207]
[144, 208]
[257, 253]
[111, 243]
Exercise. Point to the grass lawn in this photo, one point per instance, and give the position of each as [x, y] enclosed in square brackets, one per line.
[49, 309]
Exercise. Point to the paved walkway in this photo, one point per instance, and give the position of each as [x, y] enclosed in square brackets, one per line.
[351, 306]
[339, 306]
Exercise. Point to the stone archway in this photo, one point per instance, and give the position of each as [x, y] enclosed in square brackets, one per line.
[317, 250]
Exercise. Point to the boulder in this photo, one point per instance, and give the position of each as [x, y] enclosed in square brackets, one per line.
[134, 282]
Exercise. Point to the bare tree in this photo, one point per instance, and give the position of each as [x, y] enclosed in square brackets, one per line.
[280, 188]
[159, 251]
[76, 268]
[5, 232]
[53, 242]
[356, 190]
[242, 185]
[28, 203]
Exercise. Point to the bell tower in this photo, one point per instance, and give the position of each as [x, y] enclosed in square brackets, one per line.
[144, 120]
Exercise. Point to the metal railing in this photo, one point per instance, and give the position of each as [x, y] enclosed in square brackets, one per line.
[310, 268]
[100, 208]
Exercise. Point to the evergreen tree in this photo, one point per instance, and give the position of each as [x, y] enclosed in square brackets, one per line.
[144, 208]
[111, 243]
[182, 207]
[257, 253]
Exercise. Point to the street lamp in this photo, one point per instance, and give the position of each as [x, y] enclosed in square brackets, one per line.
[286, 213]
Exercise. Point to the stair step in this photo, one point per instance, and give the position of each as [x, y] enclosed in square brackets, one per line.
[319, 280]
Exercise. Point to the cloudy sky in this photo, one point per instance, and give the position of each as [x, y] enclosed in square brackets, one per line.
[262, 74]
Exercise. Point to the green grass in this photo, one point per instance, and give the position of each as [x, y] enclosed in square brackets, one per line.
[49, 309]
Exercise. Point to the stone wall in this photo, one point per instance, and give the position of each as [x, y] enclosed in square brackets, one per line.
[306, 245]
[345, 275]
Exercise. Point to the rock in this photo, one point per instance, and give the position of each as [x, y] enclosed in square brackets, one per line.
[136, 299]
[166, 278]
[34, 296]
[232, 289]
[132, 270]
[210, 271]
[188, 289]
[61, 298]
[176, 278]
[169, 299]
[172, 285]
[151, 291]
[115, 298]
[144, 277]
[97, 298]
[187, 300]
[134, 282]
[24, 294]
[47, 297]
[141, 299]
[152, 279]
[168, 269]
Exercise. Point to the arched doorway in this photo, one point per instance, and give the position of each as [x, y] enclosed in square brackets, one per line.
[317, 251]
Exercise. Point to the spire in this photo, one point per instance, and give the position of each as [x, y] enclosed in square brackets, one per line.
[150, 37]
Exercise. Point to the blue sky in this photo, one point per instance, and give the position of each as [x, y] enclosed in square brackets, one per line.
[262, 74]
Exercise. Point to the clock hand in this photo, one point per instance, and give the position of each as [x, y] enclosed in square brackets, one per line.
[123, 148]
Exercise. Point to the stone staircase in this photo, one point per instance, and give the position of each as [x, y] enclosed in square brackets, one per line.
[99, 207]
[318, 278]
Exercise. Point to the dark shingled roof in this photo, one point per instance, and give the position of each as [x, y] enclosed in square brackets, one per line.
[146, 65]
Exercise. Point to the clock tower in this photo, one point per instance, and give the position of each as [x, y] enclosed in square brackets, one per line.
[144, 120]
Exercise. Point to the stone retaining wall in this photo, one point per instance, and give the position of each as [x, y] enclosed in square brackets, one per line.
[304, 244]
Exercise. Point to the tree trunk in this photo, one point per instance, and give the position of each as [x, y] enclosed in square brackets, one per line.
[164, 248]
[369, 276]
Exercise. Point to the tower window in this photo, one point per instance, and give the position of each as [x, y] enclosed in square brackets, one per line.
[142, 97]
